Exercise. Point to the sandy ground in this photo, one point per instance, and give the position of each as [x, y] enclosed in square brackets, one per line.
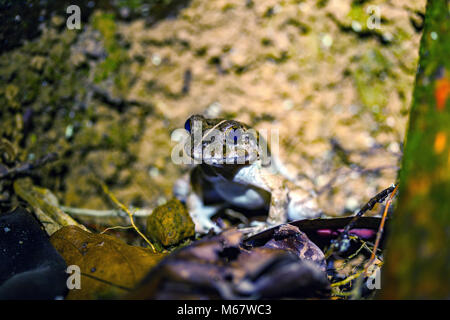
[337, 92]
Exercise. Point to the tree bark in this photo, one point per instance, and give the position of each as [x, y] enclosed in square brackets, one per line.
[417, 254]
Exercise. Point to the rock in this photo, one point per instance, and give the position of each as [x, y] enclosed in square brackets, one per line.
[170, 223]
[30, 267]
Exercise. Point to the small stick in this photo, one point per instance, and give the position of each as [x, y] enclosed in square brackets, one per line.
[26, 168]
[347, 280]
[105, 213]
[116, 227]
[124, 208]
[380, 229]
[380, 197]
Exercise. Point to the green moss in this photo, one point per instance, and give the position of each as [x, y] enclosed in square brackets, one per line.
[119, 135]
[228, 6]
[116, 55]
[369, 80]
[357, 13]
[280, 57]
[42, 93]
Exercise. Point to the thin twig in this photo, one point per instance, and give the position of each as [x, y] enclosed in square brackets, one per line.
[380, 229]
[347, 280]
[26, 168]
[116, 227]
[105, 213]
[380, 197]
[124, 208]
[357, 251]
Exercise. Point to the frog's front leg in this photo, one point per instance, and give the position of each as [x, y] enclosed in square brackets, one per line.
[278, 210]
[263, 178]
[201, 214]
[278, 213]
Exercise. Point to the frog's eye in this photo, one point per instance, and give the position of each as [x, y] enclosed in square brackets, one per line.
[187, 125]
[233, 136]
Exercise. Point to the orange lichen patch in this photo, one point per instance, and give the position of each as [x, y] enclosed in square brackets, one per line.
[440, 142]
[419, 186]
[442, 92]
[422, 216]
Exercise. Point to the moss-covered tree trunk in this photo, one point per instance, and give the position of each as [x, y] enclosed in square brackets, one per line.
[418, 251]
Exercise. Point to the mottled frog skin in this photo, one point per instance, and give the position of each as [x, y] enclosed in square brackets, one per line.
[238, 173]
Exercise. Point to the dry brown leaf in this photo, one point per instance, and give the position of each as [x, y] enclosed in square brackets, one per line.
[109, 267]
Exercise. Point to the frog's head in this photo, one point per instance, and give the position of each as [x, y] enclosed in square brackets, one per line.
[221, 142]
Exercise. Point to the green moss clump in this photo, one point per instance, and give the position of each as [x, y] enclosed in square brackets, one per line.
[170, 223]
[369, 80]
[104, 22]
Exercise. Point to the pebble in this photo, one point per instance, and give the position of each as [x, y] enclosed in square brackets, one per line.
[351, 204]
[213, 110]
[390, 121]
[394, 147]
[161, 200]
[327, 41]
[354, 109]
[288, 104]
[388, 37]
[153, 172]
[356, 26]
[124, 12]
[156, 59]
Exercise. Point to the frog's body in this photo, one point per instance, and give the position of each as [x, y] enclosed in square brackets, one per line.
[242, 178]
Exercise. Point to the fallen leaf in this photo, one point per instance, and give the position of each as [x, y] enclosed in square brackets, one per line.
[290, 238]
[109, 267]
[218, 267]
[45, 205]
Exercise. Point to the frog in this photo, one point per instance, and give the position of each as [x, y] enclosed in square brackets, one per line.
[233, 167]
